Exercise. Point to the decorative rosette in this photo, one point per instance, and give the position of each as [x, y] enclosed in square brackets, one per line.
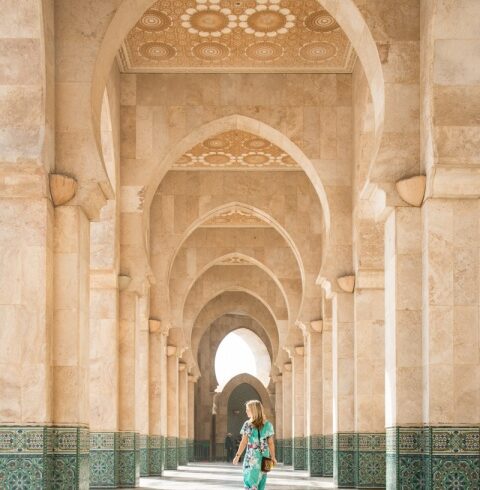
[208, 18]
[268, 18]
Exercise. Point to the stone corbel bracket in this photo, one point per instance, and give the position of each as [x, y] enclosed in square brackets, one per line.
[123, 282]
[62, 188]
[412, 190]
[317, 326]
[299, 350]
[171, 350]
[288, 367]
[346, 283]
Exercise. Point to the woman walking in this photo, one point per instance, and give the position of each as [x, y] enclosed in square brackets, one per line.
[257, 437]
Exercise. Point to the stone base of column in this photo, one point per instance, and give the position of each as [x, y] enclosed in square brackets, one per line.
[190, 450]
[369, 460]
[328, 456]
[44, 457]
[182, 452]
[155, 455]
[171, 457]
[144, 455]
[343, 459]
[279, 450]
[433, 457]
[287, 452]
[129, 459]
[104, 459]
[201, 451]
[315, 455]
[299, 453]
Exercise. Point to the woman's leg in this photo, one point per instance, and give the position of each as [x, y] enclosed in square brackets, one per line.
[263, 482]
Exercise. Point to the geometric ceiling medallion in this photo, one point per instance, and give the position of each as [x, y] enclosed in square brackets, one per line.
[210, 51]
[264, 51]
[318, 51]
[320, 21]
[236, 36]
[157, 51]
[154, 20]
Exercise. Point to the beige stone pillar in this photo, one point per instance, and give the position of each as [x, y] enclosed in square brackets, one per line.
[70, 356]
[451, 334]
[128, 346]
[313, 397]
[343, 388]
[403, 339]
[182, 413]
[142, 381]
[157, 395]
[327, 392]
[298, 410]
[173, 428]
[279, 416]
[287, 412]
[191, 416]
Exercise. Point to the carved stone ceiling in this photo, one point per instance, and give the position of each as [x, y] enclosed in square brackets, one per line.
[236, 150]
[236, 36]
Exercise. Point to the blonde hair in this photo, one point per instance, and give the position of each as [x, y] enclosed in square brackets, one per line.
[258, 418]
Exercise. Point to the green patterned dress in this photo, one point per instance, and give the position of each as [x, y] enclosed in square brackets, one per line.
[253, 478]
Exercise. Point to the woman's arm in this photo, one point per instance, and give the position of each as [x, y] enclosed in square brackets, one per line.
[271, 446]
[241, 448]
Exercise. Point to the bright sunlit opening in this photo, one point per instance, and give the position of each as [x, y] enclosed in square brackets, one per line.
[240, 352]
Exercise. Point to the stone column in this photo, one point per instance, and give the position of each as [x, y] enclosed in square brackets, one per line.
[279, 417]
[157, 379]
[103, 378]
[451, 341]
[171, 460]
[327, 392]
[403, 347]
[298, 410]
[313, 398]
[191, 416]
[26, 316]
[129, 444]
[287, 413]
[369, 326]
[182, 413]
[70, 355]
[343, 390]
[142, 381]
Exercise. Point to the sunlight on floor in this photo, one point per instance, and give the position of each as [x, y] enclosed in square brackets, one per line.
[207, 476]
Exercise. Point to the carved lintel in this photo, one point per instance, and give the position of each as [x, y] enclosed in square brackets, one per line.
[317, 326]
[288, 367]
[299, 350]
[412, 190]
[62, 188]
[171, 350]
[346, 283]
[123, 282]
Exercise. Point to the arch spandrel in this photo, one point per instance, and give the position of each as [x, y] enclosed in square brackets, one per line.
[246, 278]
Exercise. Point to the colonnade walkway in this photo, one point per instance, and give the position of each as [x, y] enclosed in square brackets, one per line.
[211, 476]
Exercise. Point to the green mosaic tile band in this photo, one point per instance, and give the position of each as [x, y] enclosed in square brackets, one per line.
[279, 450]
[344, 459]
[143, 455]
[433, 458]
[171, 458]
[201, 450]
[103, 459]
[369, 460]
[328, 456]
[129, 459]
[315, 455]
[182, 452]
[190, 450]
[287, 452]
[155, 455]
[299, 453]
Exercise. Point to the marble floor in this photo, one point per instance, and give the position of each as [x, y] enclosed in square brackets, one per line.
[205, 476]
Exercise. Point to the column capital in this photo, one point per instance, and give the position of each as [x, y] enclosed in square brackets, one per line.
[171, 350]
[159, 326]
[299, 350]
[288, 367]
